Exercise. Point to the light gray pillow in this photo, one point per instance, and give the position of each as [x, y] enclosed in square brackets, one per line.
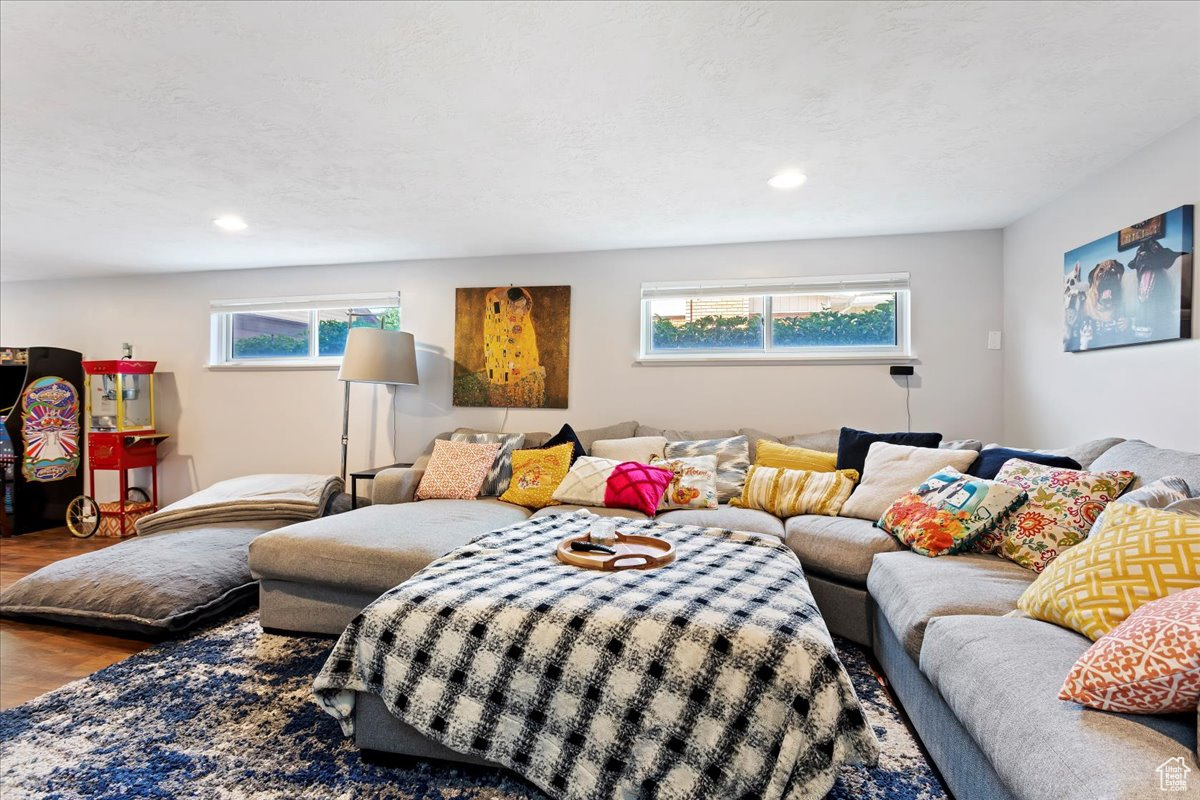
[961, 444]
[1170, 494]
[498, 477]
[733, 461]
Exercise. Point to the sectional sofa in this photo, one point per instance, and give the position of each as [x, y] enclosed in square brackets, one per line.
[979, 682]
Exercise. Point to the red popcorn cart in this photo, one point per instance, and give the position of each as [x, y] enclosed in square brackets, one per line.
[121, 437]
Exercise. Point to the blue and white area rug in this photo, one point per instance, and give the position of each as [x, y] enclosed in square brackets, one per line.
[228, 714]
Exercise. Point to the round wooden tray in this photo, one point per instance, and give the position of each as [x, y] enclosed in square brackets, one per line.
[633, 552]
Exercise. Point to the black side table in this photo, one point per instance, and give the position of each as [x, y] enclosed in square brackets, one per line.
[367, 475]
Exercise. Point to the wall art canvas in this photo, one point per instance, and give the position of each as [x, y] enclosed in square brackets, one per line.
[1134, 286]
[512, 346]
[50, 427]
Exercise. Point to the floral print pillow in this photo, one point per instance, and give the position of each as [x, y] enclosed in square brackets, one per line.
[1062, 505]
[949, 511]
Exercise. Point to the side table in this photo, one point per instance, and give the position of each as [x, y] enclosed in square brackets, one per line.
[367, 475]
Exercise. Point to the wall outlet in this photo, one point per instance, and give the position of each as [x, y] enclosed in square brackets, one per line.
[993, 340]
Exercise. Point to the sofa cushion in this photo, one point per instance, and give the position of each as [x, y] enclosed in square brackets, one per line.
[991, 460]
[837, 547]
[727, 518]
[911, 589]
[1044, 748]
[854, 445]
[600, 511]
[1149, 463]
[677, 435]
[622, 430]
[372, 549]
[641, 449]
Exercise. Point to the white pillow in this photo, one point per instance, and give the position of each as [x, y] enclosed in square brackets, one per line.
[693, 483]
[892, 470]
[585, 482]
[637, 448]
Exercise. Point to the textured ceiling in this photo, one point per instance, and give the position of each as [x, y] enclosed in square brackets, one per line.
[349, 132]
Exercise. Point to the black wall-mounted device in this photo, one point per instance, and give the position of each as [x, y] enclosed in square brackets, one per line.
[895, 370]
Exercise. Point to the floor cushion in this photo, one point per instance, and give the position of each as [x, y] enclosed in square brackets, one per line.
[372, 549]
[837, 547]
[1001, 677]
[911, 589]
[157, 584]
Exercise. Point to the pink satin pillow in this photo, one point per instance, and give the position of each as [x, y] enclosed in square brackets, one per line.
[636, 486]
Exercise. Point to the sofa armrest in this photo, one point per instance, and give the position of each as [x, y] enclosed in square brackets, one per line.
[398, 485]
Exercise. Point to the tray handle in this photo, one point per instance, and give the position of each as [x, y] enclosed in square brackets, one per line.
[643, 558]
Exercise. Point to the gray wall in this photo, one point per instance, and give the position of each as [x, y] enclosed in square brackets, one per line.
[230, 423]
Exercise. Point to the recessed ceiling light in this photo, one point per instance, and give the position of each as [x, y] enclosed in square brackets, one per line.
[788, 179]
[230, 222]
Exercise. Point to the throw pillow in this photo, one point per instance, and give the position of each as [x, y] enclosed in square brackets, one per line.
[993, 458]
[456, 470]
[1140, 555]
[853, 446]
[693, 482]
[1163, 493]
[638, 448]
[892, 470]
[637, 486]
[1149, 664]
[773, 454]
[536, 474]
[585, 482]
[733, 460]
[498, 476]
[566, 435]
[791, 492]
[1062, 506]
[947, 512]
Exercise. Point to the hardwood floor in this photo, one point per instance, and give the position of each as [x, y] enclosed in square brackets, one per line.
[37, 658]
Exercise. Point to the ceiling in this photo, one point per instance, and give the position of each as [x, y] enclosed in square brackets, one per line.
[351, 132]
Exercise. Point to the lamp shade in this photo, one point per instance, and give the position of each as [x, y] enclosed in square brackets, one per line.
[378, 356]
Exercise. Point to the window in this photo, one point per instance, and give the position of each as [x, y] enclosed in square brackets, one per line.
[847, 318]
[295, 331]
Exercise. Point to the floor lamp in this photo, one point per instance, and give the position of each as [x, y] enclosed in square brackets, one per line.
[374, 355]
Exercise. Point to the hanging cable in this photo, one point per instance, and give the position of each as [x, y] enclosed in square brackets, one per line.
[908, 400]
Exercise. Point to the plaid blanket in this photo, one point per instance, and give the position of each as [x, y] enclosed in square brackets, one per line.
[711, 677]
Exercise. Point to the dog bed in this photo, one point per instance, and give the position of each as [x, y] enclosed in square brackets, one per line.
[193, 567]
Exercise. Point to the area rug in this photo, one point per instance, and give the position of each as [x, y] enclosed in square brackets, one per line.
[228, 713]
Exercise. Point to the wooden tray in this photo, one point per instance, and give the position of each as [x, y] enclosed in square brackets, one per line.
[633, 552]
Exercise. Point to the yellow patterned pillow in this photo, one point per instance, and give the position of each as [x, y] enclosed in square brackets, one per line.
[788, 492]
[1137, 557]
[536, 474]
[773, 454]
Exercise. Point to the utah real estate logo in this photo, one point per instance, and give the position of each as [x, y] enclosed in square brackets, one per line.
[1172, 775]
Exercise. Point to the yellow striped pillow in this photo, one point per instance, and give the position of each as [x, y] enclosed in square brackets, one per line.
[1137, 557]
[788, 492]
[774, 454]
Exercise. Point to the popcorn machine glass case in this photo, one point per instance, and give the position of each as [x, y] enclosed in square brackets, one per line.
[120, 395]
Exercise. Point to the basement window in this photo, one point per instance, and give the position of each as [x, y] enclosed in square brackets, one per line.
[294, 332]
[848, 318]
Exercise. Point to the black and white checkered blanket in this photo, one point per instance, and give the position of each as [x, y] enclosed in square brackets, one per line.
[713, 677]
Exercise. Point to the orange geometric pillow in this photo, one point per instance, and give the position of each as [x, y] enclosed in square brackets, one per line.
[456, 470]
[1149, 664]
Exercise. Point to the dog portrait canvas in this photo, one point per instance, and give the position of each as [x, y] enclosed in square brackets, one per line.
[1133, 286]
[512, 346]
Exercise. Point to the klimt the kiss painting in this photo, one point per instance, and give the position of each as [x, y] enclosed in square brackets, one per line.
[1131, 287]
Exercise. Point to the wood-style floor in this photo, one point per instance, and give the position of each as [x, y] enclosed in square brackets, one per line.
[37, 658]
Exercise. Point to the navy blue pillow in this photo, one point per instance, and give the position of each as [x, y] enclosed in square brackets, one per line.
[566, 435]
[853, 445]
[989, 462]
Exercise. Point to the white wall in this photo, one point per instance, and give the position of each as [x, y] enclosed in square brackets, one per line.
[226, 423]
[1149, 392]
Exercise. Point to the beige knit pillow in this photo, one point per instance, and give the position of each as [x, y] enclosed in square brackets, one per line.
[893, 470]
[456, 470]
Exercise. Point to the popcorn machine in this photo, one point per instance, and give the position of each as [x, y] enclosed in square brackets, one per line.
[121, 437]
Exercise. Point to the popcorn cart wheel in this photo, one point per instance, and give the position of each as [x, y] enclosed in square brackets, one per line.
[83, 513]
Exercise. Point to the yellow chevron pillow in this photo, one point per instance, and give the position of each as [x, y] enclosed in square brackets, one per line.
[788, 492]
[1138, 556]
[774, 454]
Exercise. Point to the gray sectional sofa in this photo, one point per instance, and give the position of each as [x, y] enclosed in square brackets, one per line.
[979, 686]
